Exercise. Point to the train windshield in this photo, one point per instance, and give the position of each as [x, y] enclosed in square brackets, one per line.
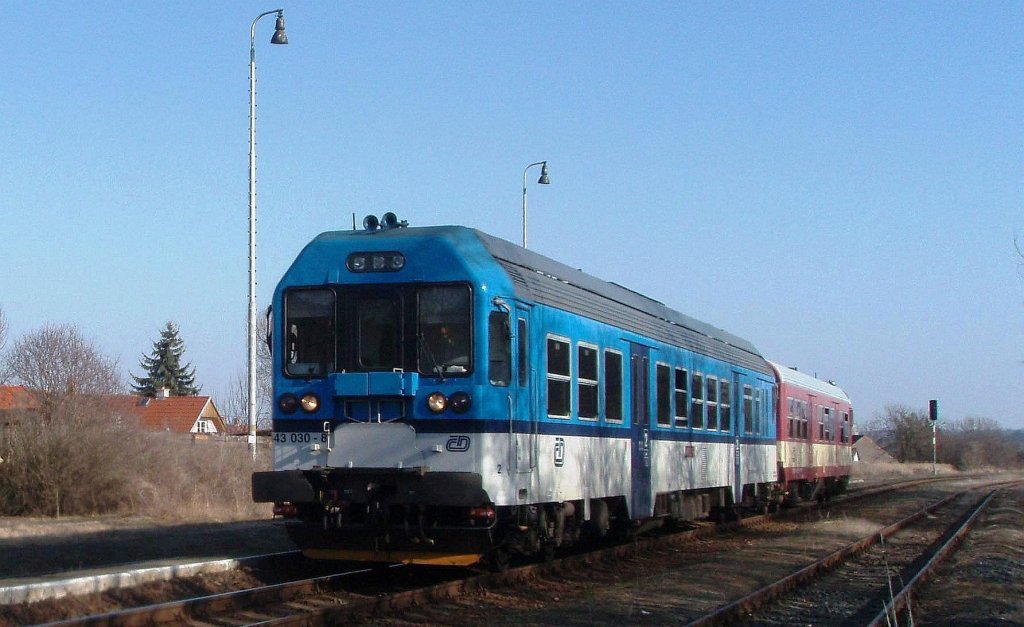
[360, 329]
[443, 330]
[310, 334]
[378, 318]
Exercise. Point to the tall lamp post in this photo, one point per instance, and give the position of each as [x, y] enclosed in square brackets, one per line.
[279, 38]
[543, 180]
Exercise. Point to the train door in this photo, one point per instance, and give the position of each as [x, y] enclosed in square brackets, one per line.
[522, 400]
[641, 505]
[810, 433]
[834, 425]
[737, 412]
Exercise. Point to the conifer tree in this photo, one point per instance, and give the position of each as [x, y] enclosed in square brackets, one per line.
[164, 367]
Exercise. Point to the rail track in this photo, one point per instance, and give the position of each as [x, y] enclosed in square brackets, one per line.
[366, 593]
[291, 602]
[868, 582]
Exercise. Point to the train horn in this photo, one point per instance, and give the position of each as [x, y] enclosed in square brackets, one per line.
[371, 223]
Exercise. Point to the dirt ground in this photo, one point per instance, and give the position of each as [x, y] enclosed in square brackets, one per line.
[983, 584]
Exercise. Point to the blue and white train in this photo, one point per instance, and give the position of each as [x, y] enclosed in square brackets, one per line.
[444, 396]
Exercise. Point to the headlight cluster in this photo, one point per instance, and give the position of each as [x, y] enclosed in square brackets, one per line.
[458, 402]
[288, 403]
[375, 262]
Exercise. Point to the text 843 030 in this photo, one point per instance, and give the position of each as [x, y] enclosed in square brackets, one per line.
[299, 438]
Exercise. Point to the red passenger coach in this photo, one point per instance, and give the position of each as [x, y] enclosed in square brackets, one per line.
[815, 434]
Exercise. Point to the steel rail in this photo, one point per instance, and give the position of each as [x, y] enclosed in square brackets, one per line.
[901, 600]
[765, 595]
[179, 612]
[733, 612]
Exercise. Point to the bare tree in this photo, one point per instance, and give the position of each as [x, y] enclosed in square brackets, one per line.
[236, 406]
[3, 343]
[57, 360]
[904, 432]
[3, 330]
[978, 442]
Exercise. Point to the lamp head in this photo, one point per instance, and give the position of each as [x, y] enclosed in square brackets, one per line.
[543, 180]
[280, 37]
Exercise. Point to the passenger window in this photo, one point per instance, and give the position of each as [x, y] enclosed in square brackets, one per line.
[748, 409]
[558, 376]
[682, 402]
[586, 381]
[711, 402]
[725, 406]
[664, 397]
[759, 423]
[697, 400]
[612, 386]
[499, 347]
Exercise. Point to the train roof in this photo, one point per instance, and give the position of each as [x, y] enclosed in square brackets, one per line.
[814, 384]
[542, 279]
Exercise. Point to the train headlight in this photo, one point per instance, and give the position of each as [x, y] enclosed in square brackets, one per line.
[460, 402]
[310, 403]
[288, 403]
[436, 402]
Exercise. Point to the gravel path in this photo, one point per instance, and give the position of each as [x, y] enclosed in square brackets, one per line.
[39, 548]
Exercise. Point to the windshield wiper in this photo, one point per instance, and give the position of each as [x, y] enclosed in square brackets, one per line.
[425, 348]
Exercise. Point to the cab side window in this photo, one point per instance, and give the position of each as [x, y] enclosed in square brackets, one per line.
[499, 348]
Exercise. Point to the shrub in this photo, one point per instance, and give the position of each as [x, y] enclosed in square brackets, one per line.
[80, 458]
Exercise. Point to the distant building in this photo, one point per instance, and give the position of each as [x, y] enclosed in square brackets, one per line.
[196, 415]
[181, 414]
[867, 450]
[16, 398]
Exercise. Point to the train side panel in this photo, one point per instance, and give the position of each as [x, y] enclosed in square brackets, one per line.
[441, 396]
[815, 426]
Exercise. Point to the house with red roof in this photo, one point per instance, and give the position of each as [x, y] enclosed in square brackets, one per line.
[17, 398]
[196, 415]
[178, 414]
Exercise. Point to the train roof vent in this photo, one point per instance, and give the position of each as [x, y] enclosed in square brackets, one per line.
[517, 278]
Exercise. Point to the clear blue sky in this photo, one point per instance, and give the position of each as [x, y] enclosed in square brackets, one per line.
[840, 183]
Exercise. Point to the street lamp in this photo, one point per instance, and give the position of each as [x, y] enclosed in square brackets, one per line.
[279, 38]
[543, 180]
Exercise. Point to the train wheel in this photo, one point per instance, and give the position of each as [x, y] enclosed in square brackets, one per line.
[500, 560]
[547, 551]
[600, 520]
